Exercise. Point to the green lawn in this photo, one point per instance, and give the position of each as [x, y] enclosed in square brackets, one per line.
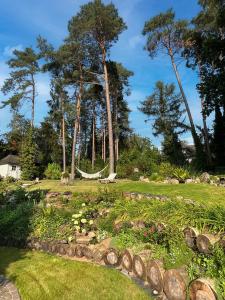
[203, 193]
[40, 276]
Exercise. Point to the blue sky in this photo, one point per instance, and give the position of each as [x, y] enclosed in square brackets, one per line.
[21, 21]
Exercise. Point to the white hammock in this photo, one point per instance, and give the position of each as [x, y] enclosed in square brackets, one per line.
[91, 176]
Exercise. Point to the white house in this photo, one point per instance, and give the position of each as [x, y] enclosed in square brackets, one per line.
[10, 166]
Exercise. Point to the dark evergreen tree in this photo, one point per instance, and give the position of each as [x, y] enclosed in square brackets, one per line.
[164, 106]
[28, 157]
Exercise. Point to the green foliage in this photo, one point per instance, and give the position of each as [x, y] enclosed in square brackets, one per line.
[28, 157]
[15, 224]
[181, 174]
[84, 219]
[21, 82]
[212, 266]
[140, 154]
[53, 171]
[164, 106]
[51, 223]
[166, 170]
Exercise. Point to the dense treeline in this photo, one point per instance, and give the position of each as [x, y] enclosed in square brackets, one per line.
[87, 125]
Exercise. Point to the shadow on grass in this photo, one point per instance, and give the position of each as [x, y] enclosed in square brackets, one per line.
[16, 217]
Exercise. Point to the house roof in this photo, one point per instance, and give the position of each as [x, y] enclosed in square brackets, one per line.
[10, 160]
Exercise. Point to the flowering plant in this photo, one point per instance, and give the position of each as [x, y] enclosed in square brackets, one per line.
[83, 220]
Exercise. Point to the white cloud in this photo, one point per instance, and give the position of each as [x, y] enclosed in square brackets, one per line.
[136, 40]
[8, 50]
[43, 88]
[188, 140]
[135, 98]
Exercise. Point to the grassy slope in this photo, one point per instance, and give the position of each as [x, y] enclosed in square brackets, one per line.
[40, 276]
[203, 193]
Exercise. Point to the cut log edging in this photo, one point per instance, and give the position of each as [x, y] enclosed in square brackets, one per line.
[170, 284]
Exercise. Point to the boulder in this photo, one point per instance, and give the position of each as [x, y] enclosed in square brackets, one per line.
[144, 179]
[189, 180]
[173, 181]
[205, 177]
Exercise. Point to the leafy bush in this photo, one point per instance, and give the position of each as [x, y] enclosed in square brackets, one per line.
[9, 179]
[141, 154]
[166, 170]
[156, 177]
[181, 174]
[53, 171]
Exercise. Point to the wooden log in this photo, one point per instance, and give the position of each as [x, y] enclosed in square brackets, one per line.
[79, 251]
[205, 243]
[62, 249]
[71, 251]
[127, 260]
[154, 275]
[54, 247]
[175, 283]
[202, 289]
[88, 251]
[162, 296]
[190, 236]
[99, 253]
[139, 264]
[112, 257]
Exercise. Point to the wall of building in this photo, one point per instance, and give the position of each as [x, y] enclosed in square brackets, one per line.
[7, 170]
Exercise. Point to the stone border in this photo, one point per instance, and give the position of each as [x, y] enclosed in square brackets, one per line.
[8, 291]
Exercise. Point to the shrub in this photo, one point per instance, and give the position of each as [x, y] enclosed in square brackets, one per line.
[181, 174]
[156, 177]
[9, 179]
[53, 171]
[166, 170]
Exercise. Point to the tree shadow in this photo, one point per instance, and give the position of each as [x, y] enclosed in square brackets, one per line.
[16, 218]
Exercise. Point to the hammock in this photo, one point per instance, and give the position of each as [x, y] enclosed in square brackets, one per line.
[91, 176]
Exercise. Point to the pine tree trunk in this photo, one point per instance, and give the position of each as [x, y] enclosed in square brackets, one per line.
[63, 135]
[76, 128]
[33, 100]
[109, 115]
[93, 142]
[80, 145]
[206, 133]
[193, 130]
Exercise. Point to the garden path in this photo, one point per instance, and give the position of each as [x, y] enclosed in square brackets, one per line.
[7, 290]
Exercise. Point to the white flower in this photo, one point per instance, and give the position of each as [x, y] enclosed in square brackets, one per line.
[76, 222]
[80, 212]
[77, 228]
[83, 221]
[83, 204]
[84, 231]
[70, 238]
[91, 222]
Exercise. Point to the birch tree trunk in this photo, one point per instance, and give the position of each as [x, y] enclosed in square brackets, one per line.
[109, 114]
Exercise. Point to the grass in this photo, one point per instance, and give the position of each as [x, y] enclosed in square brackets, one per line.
[40, 276]
[203, 193]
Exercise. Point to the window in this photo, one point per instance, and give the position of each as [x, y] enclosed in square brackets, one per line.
[13, 168]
